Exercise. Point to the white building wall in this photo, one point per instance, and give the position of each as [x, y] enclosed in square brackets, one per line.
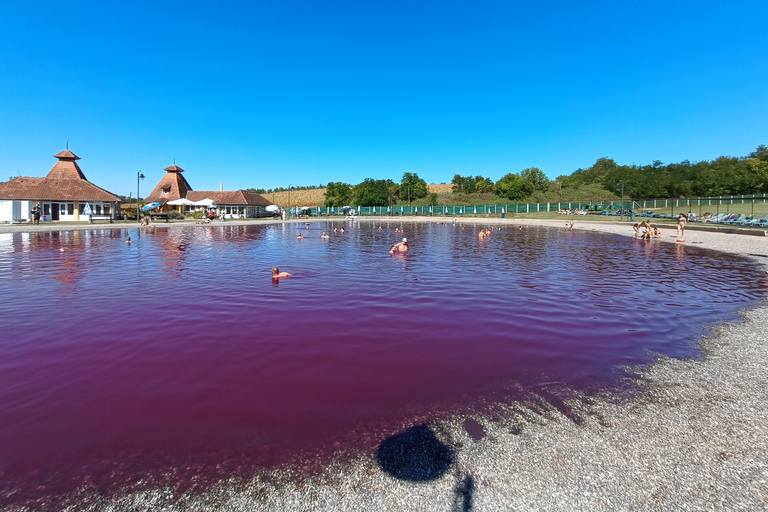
[6, 211]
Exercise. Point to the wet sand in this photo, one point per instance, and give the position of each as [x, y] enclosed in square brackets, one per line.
[693, 437]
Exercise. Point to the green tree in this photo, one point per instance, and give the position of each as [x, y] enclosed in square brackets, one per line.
[463, 184]
[514, 187]
[484, 185]
[537, 178]
[761, 153]
[413, 185]
[338, 194]
[372, 192]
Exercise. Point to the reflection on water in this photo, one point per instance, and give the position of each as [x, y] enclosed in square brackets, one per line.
[176, 358]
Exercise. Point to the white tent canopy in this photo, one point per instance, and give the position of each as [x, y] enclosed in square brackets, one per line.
[204, 202]
[179, 202]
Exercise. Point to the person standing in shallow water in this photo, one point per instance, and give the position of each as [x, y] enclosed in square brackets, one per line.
[682, 220]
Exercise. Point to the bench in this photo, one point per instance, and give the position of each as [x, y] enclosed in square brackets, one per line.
[100, 216]
[159, 216]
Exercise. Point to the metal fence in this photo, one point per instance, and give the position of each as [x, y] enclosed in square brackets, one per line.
[682, 204]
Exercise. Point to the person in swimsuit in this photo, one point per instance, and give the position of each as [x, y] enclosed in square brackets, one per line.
[298, 236]
[325, 235]
[682, 220]
[276, 274]
[400, 247]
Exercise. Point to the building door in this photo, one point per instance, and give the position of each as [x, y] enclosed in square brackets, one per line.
[54, 211]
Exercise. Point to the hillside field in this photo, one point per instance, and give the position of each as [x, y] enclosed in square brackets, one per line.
[316, 197]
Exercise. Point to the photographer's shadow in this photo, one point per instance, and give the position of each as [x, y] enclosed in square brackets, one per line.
[416, 455]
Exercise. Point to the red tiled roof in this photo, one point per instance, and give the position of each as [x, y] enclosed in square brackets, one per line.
[54, 189]
[237, 197]
[173, 168]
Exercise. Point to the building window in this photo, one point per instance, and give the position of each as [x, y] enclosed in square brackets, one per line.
[70, 208]
[166, 190]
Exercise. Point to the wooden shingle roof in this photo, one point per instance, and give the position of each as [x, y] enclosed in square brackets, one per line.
[172, 186]
[66, 167]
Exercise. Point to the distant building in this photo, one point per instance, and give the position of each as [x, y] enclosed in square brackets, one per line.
[62, 195]
[174, 193]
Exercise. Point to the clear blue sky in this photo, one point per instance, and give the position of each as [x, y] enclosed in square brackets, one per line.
[267, 94]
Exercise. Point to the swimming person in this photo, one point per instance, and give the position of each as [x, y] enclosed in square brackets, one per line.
[298, 236]
[276, 274]
[682, 220]
[128, 240]
[325, 235]
[401, 247]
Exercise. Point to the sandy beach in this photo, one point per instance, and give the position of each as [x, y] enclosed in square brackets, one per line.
[693, 437]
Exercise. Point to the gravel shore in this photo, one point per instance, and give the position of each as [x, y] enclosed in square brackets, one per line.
[695, 437]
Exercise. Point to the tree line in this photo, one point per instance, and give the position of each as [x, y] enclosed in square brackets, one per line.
[602, 181]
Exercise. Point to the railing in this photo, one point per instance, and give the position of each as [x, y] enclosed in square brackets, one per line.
[681, 204]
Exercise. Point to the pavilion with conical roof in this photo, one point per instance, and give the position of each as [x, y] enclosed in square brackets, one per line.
[174, 193]
[63, 194]
[172, 186]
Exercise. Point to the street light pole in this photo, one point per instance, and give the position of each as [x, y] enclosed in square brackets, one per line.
[139, 177]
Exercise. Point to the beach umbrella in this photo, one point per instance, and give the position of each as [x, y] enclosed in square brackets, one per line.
[87, 210]
[430, 209]
[475, 209]
[179, 202]
[272, 208]
[150, 206]
[402, 209]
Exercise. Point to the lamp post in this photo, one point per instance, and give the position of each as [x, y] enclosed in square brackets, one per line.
[139, 177]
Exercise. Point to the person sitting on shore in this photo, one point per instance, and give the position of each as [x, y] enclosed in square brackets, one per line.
[276, 274]
[656, 233]
[400, 247]
[639, 225]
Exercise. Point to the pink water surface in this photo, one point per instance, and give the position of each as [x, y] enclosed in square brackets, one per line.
[176, 359]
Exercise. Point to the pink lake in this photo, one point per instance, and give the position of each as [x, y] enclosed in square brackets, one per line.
[177, 360]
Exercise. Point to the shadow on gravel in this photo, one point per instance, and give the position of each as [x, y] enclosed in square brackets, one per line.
[415, 455]
[463, 495]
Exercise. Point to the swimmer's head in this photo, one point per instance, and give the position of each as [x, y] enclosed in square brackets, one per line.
[275, 271]
[405, 239]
